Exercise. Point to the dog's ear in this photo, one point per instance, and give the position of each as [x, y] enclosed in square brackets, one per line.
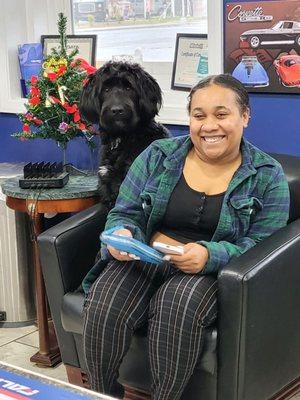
[150, 95]
[88, 104]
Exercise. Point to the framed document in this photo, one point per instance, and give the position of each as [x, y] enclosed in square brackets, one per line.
[86, 45]
[190, 60]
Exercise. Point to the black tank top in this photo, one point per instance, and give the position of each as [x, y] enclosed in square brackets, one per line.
[191, 215]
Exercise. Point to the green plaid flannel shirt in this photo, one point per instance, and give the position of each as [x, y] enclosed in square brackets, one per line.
[255, 205]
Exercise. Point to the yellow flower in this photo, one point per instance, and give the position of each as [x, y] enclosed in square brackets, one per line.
[53, 65]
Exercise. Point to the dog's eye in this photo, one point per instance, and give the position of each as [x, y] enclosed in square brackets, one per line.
[128, 88]
[106, 90]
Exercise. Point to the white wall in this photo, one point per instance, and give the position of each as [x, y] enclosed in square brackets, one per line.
[22, 21]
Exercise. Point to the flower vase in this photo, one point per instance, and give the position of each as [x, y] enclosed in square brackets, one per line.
[94, 160]
[63, 146]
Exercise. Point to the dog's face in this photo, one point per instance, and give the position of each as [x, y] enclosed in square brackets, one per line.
[119, 105]
[121, 97]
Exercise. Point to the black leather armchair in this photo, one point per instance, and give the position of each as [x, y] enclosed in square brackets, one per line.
[254, 351]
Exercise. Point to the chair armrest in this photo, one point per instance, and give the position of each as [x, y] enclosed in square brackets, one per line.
[259, 324]
[69, 248]
[67, 252]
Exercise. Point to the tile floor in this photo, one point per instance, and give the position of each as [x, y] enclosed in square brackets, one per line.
[17, 345]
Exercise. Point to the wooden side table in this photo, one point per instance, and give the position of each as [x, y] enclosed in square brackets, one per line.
[79, 193]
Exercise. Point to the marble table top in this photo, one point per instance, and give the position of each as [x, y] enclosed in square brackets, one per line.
[78, 186]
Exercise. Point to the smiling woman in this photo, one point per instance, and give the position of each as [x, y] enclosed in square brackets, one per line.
[213, 194]
[217, 121]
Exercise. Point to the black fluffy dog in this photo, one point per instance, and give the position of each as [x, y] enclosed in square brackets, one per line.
[123, 99]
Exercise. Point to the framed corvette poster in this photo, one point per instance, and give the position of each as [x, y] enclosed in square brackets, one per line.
[262, 44]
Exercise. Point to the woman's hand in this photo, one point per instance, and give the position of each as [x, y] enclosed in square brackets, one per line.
[122, 255]
[192, 260]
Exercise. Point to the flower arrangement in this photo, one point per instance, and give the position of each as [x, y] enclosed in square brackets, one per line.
[52, 108]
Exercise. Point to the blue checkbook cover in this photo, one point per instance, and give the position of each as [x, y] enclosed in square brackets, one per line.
[130, 245]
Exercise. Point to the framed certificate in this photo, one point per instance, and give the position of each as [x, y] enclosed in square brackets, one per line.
[86, 45]
[190, 60]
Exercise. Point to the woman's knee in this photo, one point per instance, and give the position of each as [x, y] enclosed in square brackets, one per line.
[120, 298]
[186, 298]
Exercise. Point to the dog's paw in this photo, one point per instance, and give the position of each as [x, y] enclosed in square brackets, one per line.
[103, 170]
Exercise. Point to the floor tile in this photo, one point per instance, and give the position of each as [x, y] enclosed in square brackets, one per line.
[30, 340]
[18, 354]
[7, 335]
[19, 344]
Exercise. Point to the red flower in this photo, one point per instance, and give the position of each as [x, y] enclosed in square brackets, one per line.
[28, 116]
[55, 100]
[52, 76]
[26, 128]
[34, 101]
[82, 126]
[82, 64]
[62, 69]
[34, 91]
[37, 121]
[76, 117]
[33, 80]
[89, 69]
[70, 109]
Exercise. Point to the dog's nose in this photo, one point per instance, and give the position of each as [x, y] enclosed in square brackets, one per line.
[117, 110]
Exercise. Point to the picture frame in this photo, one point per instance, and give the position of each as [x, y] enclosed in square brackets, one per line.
[190, 60]
[262, 45]
[86, 45]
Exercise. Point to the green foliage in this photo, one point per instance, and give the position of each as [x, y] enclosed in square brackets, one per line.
[52, 108]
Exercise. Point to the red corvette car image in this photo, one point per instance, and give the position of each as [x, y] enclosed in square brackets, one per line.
[288, 70]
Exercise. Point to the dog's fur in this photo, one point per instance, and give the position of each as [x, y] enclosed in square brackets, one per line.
[123, 99]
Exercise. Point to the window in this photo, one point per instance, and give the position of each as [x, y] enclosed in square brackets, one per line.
[143, 31]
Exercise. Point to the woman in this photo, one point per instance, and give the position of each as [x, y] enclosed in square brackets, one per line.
[212, 192]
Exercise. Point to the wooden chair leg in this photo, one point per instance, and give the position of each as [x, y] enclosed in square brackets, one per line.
[289, 391]
[77, 377]
[80, 378]
[134, 394]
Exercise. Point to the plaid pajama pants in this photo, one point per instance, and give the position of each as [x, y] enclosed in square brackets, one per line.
[176, 306]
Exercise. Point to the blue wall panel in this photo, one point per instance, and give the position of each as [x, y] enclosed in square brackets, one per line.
[274, 127]
[78, 153]
[275, 123]
[14, 150]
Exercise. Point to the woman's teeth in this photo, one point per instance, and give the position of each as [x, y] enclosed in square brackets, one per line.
[212, 139]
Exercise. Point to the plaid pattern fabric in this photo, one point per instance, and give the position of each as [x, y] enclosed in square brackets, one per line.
[255, 205]
[176, 307]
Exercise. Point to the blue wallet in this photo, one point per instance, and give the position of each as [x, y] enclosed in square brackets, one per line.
[130, 245]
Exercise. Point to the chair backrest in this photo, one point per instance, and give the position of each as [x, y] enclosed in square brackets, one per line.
[291, 167]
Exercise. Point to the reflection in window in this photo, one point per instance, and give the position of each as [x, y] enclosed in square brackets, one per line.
[138, 30]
